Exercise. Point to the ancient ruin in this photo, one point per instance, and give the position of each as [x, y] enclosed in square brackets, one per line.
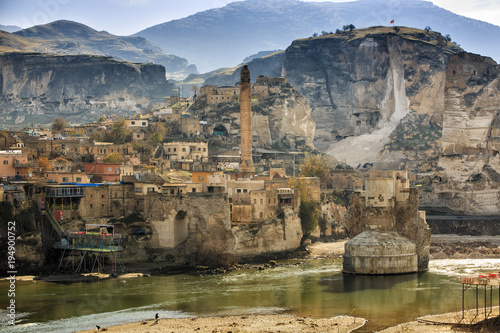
[389, 235]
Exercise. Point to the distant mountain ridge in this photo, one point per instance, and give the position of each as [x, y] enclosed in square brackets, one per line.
[68, 37]
[223, 37]
[10, 28]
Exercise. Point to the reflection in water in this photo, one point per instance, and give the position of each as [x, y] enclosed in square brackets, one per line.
[317, 288]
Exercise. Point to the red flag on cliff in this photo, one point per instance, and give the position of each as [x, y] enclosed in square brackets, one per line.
[392, 21]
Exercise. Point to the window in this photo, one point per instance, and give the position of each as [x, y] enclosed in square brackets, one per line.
[110, 169]
[117, 170]
[90, 205]
[238, 190]
[151, 189]
[169, 150]
[65, 179]
[172, 191]
[5, 162]
[138, 190]
[143, 123]
[133, 122]
[183, 149]
[255, 201]
[175, 149]
[269, 201]
[78, 179]
[102, 196]
[194, 190]
[204, 149]
[200, 178]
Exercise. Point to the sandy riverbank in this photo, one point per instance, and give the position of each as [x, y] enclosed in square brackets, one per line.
[252, 323]
[449, 322]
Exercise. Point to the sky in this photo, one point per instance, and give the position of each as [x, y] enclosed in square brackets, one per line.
[126, 17]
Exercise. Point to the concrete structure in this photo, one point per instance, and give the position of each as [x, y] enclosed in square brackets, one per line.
[246, 164]
[388, 233]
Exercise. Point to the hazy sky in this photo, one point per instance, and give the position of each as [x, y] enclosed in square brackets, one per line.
[125, 17]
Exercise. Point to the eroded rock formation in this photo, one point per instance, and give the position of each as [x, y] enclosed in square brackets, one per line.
[35, 87]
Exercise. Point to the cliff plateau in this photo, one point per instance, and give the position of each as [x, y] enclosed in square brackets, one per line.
[36, 87]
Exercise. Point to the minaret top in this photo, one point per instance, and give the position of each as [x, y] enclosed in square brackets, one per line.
[245, 74]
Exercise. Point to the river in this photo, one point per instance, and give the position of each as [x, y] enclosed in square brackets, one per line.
[315, 288]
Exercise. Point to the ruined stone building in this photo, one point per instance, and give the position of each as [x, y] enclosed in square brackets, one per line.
[389, 235]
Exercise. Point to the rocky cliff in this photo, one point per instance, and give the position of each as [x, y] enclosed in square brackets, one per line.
[362, 84]
[36, 87]
[467, 177]
[70, 38]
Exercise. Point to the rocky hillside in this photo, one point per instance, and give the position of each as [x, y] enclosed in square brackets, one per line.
[70, 38]
[229, 34]
[281, 120]
[37, 87]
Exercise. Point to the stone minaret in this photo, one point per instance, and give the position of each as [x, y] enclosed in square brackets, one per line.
[246, 163]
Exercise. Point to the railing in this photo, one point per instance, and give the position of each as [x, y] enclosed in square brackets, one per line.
[53, 222]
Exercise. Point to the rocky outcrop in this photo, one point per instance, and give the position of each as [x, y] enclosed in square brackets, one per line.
[283, 118]
[468, 176]
[37, 87]
[361, 85]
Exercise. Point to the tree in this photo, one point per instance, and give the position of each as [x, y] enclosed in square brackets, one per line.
[44, 163]
[113, 158]
[315, 34]
[195, 89]
[159, 132]
[427, 29]
[349, 27]
[101, 119]
[309, 210]
[120, 133]
[58, 124]
[316, 165]
[448, 38]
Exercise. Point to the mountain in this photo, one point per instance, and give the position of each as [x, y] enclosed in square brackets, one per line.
[10, 28]
[223, 37]
[67, 37]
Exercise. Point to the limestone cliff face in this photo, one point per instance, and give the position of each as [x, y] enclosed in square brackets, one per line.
[275, 236]
[362, 85]
[289, 117]
[34, 86]
[468, 179]
[283, 116]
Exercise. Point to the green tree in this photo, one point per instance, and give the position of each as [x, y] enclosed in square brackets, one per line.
[309, 210]
[101, 119]
[58, 124]
[120, 133]
[159, 132]
[113, 158]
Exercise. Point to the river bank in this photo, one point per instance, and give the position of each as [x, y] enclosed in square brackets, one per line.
[251, 323]
[448, 322]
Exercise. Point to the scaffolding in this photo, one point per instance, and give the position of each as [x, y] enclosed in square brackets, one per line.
[87, 249]
[96, 244]
[490, 279]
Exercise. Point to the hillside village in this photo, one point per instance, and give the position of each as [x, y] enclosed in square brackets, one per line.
[168, 181]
